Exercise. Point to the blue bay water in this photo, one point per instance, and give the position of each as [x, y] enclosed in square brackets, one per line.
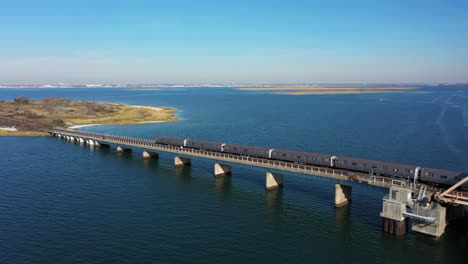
[65, 203]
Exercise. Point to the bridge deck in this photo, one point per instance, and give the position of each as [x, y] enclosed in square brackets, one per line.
[339, 174]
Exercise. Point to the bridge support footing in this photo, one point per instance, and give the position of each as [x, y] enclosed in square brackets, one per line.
[222, 170]
[122, 149]
[342, 195]
[394, 227]
[150, 155]
[274, 180]
[180, 161]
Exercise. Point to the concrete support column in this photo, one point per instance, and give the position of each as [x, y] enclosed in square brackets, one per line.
[222, 170]
[180, 161]
[150, 155]
[394, 227]
[123, 149]
[392, 212]
[342, 195]
[274, 180]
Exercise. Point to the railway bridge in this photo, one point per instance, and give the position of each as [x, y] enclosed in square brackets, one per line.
[405, 201]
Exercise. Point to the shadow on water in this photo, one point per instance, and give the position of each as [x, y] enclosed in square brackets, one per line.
[151, 163]
[183, 174]
[223, 185]
[274, 200]
[343, 222]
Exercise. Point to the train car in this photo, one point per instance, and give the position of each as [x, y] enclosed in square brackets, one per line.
[206, 145]
[247, 151]
[170, 141]
[302, 157]
[442, 176]
[377, 167]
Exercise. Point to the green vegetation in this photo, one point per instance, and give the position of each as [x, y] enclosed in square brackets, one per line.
[64, 112]
[22, 134]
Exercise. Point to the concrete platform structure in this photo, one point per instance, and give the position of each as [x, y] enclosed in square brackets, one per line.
[434, 210]
[342, 195]
[150, 155]
[222, 170]
[274, 180]
[123, 149]
[181, 161]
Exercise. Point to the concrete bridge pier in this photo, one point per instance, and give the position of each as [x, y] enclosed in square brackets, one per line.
[150, 155]
[274, 180]
[91, 142]
[180, 161]
[342, 195]
[222, 170]
[393, 210]
[123, 149]
[81, 140]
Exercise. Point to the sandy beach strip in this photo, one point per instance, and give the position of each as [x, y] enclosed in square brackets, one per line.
[325, 88]
[338, 92]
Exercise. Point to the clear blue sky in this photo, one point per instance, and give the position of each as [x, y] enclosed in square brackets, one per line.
[219, 41]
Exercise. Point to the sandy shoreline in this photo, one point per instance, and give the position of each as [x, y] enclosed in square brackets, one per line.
[326, 88]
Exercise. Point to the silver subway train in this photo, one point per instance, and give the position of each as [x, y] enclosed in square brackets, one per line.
[415, 173]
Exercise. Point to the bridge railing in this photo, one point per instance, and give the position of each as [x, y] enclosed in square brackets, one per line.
[310, 169]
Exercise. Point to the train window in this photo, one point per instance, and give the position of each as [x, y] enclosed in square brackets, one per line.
[431, 174]
[326, 160]
[235, 148]
[202, 145]
[364, 165]
[345, 162]
[354, 163]
[443, 177]
[395, 169]
[306, 157]
[298, 157]
[284, 155]
[315, 158]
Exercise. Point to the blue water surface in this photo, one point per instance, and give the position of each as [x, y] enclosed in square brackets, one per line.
[65, 203]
